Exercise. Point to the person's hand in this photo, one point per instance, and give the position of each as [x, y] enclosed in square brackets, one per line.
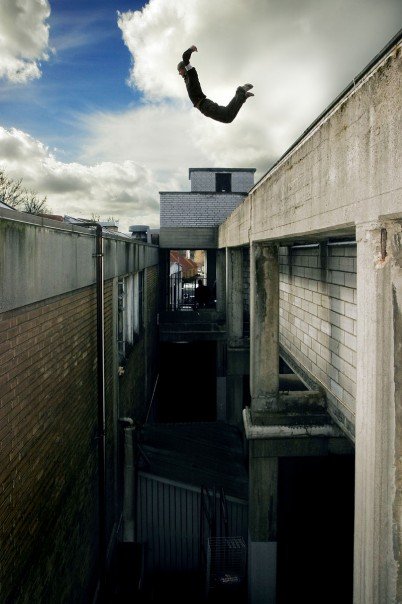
[194, 48]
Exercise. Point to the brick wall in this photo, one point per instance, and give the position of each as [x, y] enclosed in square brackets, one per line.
[48, 446]
[48, 455]
[48, 390]
[111, 444]
[196, 209]
[318, 317]
[204, 180]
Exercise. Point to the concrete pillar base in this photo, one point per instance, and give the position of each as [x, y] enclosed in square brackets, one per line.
[267, 402]
[262, 572]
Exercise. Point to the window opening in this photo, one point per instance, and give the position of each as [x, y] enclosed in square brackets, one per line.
[223, 182]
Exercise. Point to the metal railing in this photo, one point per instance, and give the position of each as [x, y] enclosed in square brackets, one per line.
[187, 294]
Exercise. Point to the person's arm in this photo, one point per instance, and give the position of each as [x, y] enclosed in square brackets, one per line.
[187, 54]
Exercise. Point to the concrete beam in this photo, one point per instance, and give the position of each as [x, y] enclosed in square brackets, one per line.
[284, 430]
[347, 187]
[188, 238]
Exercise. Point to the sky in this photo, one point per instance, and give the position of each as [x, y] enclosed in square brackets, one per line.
[94, 116]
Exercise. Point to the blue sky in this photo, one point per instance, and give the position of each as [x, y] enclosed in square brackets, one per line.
[94, 116]
[86, 72]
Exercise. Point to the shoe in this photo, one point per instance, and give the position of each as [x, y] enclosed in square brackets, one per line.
[249, 94]
[247, 87]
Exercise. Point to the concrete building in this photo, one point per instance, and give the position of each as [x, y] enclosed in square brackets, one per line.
[268, 424]
[308, 269]
[323, 228]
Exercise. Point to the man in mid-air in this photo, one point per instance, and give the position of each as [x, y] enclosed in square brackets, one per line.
[199, 99]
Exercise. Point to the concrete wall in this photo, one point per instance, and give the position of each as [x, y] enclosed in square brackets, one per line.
[346, 170]
[48, 389]
[342, 173]
[340, 312]
[205, 179]
[52, 258]
[186, 238]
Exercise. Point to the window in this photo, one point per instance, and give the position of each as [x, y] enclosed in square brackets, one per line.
[223, 182]
[129, 312]
[138, 302]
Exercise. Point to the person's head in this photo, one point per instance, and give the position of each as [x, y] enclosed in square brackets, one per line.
[199, 282]
[181, 68]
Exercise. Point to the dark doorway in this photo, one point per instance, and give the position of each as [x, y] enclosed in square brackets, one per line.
[315, 529]
[187, 387]
[223, 181]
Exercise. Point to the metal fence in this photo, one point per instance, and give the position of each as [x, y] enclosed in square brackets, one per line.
[184, 293]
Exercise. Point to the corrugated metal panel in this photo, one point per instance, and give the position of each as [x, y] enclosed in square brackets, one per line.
[168, 523]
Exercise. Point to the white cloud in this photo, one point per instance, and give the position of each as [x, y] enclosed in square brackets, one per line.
[298, 55]
[123, 190]
[24, 37]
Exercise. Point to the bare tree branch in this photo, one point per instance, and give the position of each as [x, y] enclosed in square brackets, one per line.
[15, 195]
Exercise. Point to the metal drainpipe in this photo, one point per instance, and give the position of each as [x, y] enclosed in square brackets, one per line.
[101, 436]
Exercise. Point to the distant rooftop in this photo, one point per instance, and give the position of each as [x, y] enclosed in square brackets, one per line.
[220, 170]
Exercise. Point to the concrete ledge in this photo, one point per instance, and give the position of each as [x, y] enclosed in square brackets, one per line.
[254, 431]
[338, 411]
[53, 258]
[194, 238]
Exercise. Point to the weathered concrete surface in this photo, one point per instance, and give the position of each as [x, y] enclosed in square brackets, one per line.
[184, 238]
[264, 326]
[262, 572]
[234, 298]
[345, 171]
[52, 258]
[221, 281]
[378, 511]
[263, 489]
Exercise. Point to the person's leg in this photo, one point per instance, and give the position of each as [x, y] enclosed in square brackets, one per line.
[214, 111]
[224, 114]
[237, 101]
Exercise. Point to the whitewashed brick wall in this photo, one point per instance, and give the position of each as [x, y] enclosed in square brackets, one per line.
[196, 209]
[204, 180]
[318, 315]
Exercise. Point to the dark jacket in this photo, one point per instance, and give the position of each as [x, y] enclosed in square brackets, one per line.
[191, 80]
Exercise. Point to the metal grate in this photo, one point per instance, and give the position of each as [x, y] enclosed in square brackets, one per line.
[226, 562]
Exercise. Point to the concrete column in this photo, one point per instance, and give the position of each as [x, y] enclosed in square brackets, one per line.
[263, 494]
[234, 296]
[264, 326]
[378, 503]
[221, 281]
[211, 269]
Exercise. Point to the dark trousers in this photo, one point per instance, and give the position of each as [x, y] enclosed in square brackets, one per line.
[223, 114]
